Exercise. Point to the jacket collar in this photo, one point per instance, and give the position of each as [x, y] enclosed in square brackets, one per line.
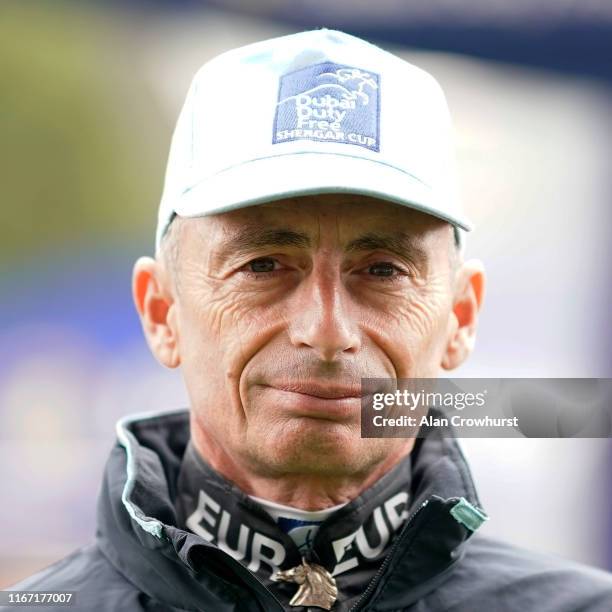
[137, 524]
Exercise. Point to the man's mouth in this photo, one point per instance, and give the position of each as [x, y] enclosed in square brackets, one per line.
[321, 390]
[317, 400]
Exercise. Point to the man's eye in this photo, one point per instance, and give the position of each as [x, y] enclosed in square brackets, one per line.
[263, 264]
[382, 268]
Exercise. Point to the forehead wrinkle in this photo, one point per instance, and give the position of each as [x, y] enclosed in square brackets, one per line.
[400, 243]
[328, 224]
[253, 237]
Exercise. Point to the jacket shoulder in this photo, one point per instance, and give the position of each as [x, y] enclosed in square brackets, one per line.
[96, 584]
[495, 575]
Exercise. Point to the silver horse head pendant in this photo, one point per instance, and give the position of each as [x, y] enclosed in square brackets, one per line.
[317, 587]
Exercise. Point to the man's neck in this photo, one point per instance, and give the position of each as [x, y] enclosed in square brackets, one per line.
[305, 491]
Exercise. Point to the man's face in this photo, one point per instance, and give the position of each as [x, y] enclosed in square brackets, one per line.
[282, 308]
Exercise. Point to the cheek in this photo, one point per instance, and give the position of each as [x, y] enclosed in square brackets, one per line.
[220, 330]
[209, 345]
[411, 329]
[423, 313]
[213, 315]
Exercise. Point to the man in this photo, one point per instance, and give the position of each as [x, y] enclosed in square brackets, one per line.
[308, 238]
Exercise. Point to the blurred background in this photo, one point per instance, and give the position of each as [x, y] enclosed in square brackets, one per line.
[90, 93]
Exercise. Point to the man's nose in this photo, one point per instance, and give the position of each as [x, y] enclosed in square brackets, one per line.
[322, 316]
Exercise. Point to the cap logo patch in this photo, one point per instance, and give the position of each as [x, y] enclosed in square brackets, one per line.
[331, 103]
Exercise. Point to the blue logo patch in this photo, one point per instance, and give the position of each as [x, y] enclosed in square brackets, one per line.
[330, 103]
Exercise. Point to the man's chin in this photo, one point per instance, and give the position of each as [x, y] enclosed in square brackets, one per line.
[317, 447]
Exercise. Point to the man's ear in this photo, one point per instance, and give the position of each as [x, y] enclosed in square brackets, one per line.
[467, 300]
[157, 310]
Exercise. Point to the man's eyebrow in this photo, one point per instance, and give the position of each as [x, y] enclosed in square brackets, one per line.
[251, 238]
[400, 243]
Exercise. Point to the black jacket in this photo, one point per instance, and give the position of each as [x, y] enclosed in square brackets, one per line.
[141, 560]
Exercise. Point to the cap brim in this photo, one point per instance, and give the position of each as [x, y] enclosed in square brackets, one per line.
[299, 174]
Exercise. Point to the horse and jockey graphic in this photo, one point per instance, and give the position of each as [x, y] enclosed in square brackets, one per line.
[344, 78]
[328, 102]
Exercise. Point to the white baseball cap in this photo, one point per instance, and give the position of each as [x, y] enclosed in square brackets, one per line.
[310, 113]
